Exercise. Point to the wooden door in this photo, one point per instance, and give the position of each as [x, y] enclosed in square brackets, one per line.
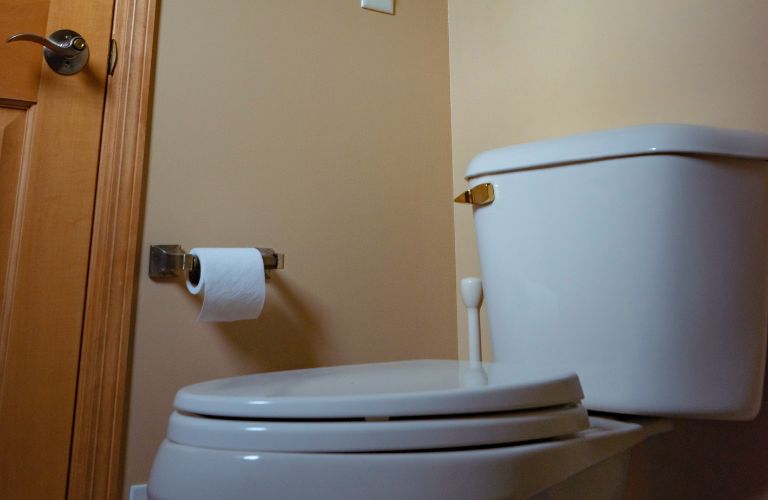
[50, 127]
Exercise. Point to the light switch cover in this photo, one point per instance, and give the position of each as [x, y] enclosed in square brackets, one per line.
[138, 492]
[386, 6]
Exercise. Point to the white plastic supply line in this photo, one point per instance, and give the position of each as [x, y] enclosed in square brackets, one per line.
[472, 295]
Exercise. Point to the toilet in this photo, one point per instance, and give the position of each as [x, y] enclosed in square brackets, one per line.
[625, 275]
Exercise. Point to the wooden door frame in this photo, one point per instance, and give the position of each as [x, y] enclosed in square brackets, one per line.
[96, 461]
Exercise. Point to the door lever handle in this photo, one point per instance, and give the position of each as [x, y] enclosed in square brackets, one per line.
[65, 51]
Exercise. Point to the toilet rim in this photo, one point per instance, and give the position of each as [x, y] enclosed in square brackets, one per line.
[410, 434]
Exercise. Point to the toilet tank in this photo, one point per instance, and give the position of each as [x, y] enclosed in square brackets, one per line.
[637, 258]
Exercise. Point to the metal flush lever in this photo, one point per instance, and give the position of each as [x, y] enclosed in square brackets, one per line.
[480, 195]
[65, 51]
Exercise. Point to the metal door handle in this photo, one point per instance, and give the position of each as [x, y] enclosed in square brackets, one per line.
[65, 51]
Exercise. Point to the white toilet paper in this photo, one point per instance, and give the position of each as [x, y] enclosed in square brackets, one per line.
[232, 283]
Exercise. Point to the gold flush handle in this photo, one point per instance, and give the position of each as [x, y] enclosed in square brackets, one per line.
[480, 195]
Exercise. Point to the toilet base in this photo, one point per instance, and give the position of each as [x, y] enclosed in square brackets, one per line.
[606, 480]
[504, 472]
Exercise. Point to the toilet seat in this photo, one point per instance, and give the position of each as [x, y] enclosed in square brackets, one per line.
[407, 405]
[376, 436]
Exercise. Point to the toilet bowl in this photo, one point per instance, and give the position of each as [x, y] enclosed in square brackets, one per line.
[410, 430]
[632, 263]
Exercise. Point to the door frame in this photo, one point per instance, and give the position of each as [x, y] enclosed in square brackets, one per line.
[96, 460]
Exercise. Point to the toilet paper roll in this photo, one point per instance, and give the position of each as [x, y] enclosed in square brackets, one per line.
[232, 283]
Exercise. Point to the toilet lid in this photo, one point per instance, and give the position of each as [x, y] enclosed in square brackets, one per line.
[378, 390]
[328, 436]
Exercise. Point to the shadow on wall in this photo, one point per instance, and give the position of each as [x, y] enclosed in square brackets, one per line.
[286, 311]
[704, 460]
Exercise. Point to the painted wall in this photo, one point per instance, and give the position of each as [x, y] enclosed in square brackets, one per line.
[323, 131]
[523, 70]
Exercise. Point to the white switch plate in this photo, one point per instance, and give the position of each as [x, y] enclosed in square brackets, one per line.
[385, 6]
[138, 492]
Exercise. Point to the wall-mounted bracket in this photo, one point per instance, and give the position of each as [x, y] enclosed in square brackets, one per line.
[169, 261]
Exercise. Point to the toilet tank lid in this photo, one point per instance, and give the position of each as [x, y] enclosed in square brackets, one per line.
[622, 142]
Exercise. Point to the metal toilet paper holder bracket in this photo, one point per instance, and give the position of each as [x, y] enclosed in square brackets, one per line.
[171, 261]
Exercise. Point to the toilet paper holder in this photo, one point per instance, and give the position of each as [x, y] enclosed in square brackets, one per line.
[169, 261]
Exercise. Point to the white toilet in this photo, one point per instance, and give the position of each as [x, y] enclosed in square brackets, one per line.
[636, 258]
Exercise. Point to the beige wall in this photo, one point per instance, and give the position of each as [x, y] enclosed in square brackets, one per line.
[523, 70]
[320, 130]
